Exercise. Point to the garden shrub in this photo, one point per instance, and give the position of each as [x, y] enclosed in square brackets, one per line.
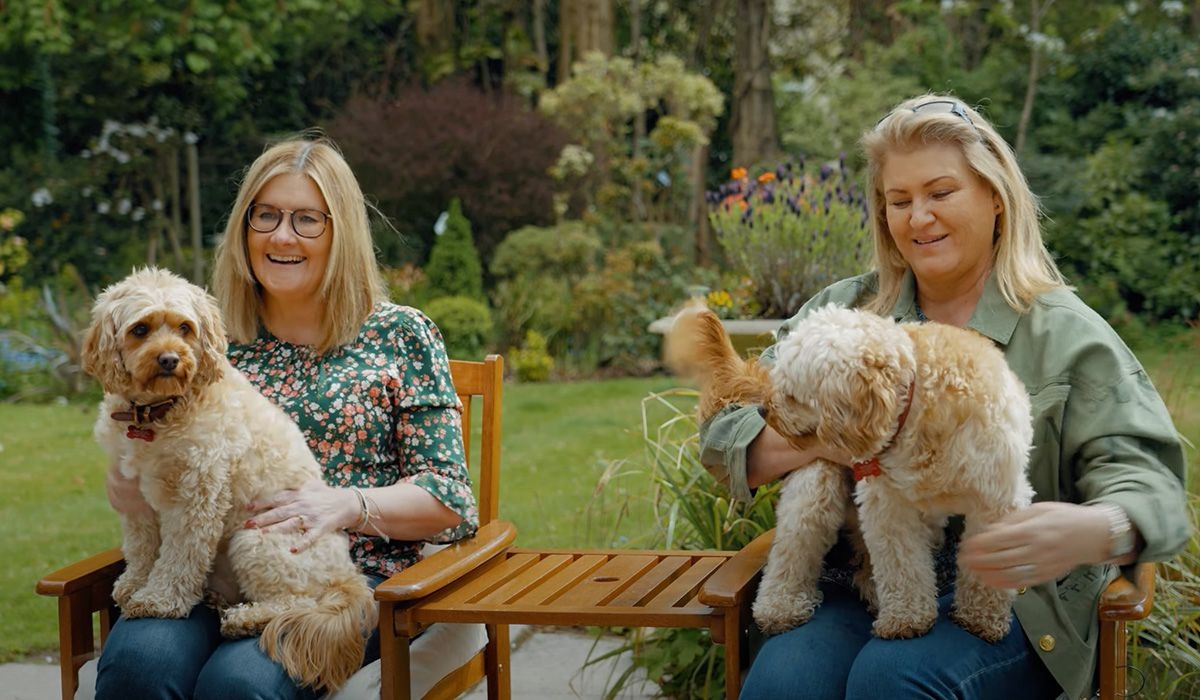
[453, 268]
[792, 232]
[417, 151]
[465, 323]
[531, 362]
[534, 269]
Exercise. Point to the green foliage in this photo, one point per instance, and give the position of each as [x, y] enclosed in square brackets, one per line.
[792, 232]
[1164, 650]
[1122, 250]
[454, 268]
[465, 323]
[531, 362]
[598, 105]
[535, 269]
[13, 252]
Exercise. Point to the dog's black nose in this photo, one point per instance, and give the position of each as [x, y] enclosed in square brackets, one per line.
[168, 361]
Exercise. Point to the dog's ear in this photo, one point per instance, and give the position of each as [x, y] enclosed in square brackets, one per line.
[213, 343]
[100, 355]
[859, 404]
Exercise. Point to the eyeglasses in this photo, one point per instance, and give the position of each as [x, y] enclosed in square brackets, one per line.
[935, 107]
[307, 223]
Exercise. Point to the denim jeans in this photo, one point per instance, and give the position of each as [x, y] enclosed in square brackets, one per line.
[153, 658]
[834, 656]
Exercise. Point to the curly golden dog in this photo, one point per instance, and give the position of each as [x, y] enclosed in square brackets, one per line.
[937, 425]
[203, 444]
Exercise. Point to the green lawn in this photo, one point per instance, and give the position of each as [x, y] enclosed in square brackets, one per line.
[558, 440]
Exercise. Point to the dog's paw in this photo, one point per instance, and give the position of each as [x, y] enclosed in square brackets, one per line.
[142, 604]
[242, 621]
[775, 613]
[988, 625]
[124, 589]
[892, 626]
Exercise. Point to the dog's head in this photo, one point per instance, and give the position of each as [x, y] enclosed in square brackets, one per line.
[841, 375]
[154, 335]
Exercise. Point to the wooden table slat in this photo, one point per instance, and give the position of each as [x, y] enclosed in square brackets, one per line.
[563, 580]
[609, 580]
[687, 586]
[489, 578]
[651, 583]
[531, 574]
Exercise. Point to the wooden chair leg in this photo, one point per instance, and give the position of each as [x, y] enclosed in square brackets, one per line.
[497, 663]
[76, 643]
[1113, 660]
[395, 670]
[733, 655]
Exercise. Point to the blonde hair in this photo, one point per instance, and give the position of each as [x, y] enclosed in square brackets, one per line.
[352, 284]
[1022, 264]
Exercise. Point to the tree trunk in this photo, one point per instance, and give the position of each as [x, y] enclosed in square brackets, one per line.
[584, 26]
[193, 178]
[699, 207]
[539, 40]
[752, 119]
[639, 119]
[1037, 10]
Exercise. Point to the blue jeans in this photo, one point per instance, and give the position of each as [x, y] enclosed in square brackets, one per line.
[833, 656]
[187, 659]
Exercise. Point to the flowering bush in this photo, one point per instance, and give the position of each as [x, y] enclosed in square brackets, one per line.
[792, 232]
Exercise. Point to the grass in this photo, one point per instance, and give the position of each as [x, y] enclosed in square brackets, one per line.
[559, 440]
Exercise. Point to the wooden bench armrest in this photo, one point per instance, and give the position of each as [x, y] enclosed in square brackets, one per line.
[1125, 600]
[448, 565]
[727, 586]
[84, 574]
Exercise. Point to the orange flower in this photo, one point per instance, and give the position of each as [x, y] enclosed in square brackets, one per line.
[737, 173]
[766, 177]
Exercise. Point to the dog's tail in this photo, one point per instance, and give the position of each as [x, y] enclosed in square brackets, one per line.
[697, 347]
[323, 645]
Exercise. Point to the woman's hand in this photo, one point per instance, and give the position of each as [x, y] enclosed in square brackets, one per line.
[1038, 544]
[125, 495]
[312, 510]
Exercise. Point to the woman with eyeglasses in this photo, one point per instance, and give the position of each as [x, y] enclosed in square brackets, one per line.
[958, 241]
[367, 381]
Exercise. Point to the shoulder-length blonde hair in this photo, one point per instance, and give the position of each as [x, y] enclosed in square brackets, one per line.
[1022, 264]
[352, 284]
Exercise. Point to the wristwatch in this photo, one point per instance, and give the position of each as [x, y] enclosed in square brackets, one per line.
[1121, 540]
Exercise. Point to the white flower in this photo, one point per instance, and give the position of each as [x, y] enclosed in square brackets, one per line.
[41, 197]
[124, 206]
[103, 207]
[138, 214]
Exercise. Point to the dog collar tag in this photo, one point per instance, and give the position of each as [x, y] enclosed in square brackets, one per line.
[136, 433]
[870, 467]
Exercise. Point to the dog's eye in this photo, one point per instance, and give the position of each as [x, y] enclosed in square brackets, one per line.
[185, 329]
[139, 330]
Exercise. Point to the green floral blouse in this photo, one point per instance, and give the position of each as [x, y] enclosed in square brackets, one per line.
[377, 411]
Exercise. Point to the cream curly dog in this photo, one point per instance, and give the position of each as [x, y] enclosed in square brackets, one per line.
[204, 443]
[937, 425]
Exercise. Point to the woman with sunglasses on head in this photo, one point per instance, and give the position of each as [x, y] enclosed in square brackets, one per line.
[367, 381]
[958, 241]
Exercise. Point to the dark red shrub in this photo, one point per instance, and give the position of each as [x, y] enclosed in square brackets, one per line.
[416, 152]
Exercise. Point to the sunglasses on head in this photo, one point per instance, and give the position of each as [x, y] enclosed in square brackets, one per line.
[935, 107]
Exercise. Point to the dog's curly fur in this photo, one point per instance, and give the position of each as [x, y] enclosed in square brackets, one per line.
[842, 379]
[221, 445]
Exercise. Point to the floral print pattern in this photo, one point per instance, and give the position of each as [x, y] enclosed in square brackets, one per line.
[377, 411]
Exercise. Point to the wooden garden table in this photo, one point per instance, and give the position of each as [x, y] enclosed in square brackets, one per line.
[606, 588]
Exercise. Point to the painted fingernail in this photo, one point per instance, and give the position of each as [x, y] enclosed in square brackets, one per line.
[249, 524]
[295, 550]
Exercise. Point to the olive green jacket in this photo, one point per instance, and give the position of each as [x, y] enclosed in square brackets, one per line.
[1101, 433]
